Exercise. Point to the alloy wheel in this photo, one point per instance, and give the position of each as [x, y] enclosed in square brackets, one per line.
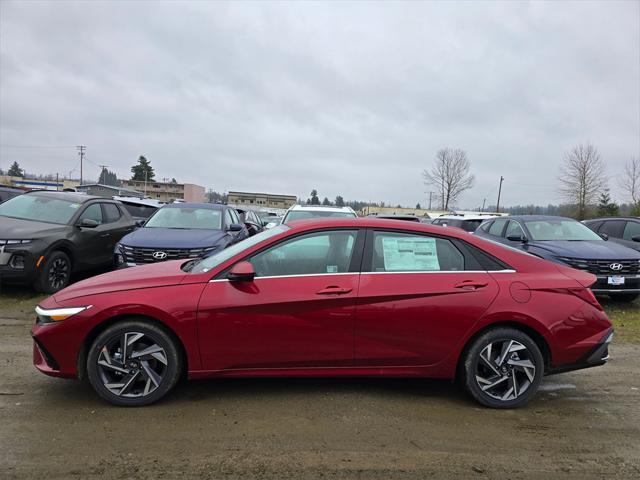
[58, 273]
[505, 370]
[132, 365]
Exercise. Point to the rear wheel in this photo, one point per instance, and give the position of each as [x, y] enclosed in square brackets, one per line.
[133, 363]
[503, 368]
[624, 297]
[54, 274]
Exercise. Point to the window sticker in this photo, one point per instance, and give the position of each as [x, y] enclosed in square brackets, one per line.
[332, 269]
[407, 254]
[74, 205]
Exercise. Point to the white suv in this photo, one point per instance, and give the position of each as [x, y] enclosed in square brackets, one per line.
[304, 212]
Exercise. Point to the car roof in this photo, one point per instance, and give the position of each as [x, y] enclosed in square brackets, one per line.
[11, 189]
[321, 208]
[70, 196]
[208, 206]
[149, 202]
[534, 218]
[462, 219]
[599, 219]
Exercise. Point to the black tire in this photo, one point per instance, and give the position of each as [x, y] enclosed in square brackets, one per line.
[107, 382]
[54, 274]
[624, 297]
[503, 375]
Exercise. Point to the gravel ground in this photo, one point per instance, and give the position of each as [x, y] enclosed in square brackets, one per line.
[582, 425]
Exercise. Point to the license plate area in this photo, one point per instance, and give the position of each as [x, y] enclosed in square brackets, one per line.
[616, 280]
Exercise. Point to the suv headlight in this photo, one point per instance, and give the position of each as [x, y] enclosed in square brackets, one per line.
[58, 314]
[15, 242]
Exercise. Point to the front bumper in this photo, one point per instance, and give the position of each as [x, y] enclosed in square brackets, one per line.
[596, 356]
[11, 275]
[631, 285]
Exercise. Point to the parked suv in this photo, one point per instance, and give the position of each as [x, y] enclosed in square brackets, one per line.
[569, 242]
[47, 236]
[304, 212]
[180, 231]
[622, 230]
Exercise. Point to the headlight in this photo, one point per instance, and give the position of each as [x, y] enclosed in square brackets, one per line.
[58, 314]
[14, 242]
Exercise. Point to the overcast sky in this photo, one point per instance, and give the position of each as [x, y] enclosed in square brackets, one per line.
[348, 98]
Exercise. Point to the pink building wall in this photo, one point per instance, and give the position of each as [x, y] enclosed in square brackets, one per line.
[193, 193]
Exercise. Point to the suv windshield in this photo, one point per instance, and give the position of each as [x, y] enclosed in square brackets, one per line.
[186, 218]
[39, 208]
[307, 214]
[548, 230]
[223, 255]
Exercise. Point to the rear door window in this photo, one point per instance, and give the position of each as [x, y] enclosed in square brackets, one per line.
[405, 252]
[111, 213]
[613, 228]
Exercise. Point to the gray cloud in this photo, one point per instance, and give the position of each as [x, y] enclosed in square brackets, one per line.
[349, 98]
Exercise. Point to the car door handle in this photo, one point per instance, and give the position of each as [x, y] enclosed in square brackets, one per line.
[333, 290]
[470, 285]
[105, 235]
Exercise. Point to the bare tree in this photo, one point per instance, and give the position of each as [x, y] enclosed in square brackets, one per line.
[450, 175]
[582, 177]
[630, 180]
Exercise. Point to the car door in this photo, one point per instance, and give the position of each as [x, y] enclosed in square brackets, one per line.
[92, 242]
[114, 226]
[297, 312]
[418, 295]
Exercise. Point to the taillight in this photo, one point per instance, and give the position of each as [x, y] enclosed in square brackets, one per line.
[587, 295]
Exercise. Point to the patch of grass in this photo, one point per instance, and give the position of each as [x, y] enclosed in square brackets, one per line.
[625, 318]
[16, 301]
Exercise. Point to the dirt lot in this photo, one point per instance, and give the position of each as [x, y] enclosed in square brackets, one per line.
[582, 425]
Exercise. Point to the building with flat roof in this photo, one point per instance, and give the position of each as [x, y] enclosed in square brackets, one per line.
[101, 190]
[418, 212]
[168, 191]
[37, 184]
[264, 200]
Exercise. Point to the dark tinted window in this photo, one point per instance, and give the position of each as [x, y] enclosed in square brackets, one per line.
[111, 212]
[613, 228]
[471, 225]
[406, 252]
[632, 229]
[139, 211]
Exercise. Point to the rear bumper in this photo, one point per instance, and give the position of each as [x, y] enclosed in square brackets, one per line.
[596, 356]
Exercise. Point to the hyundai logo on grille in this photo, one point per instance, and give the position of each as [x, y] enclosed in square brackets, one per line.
[163, 255]
[616, 266]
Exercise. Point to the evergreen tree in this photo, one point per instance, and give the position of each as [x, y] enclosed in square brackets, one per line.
[607, 208]
[314, 200]
[107, 177]
[139, 170]
[15, 170]
[339, 201]
[326, 201]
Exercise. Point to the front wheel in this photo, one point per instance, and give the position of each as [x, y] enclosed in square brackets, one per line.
[624, 297]
[133, 363]
[503, 368]
[55, 274]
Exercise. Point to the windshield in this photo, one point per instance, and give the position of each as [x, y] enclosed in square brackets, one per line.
[39, 208]
[223, 255]
[307, 214]
[186, 218]
[548, 230]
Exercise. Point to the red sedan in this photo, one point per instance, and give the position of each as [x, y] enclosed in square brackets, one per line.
[344, 297]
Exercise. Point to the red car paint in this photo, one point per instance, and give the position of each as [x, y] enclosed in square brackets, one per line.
[359, 323]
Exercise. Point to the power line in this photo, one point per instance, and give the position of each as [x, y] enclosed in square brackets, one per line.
[37, 146]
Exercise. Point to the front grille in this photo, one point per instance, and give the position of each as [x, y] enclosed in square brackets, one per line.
[145, 255]
[603, 267]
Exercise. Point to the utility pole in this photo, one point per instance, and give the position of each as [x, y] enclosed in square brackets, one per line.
[56, 182]
[499, 192]
[145, 183]
[81, 149]
[430, 195]
[484, 201]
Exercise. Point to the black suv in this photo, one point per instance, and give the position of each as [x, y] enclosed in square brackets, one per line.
[623, 230]
[46, 236]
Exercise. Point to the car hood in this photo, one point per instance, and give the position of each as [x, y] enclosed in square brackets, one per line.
[15, 228]
[172, 238]
[587, 249]
[159, 274]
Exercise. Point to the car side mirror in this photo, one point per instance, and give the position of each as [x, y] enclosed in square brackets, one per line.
[604, 236]
[636, 238]
[242, 272]
[88, 223]
[517, 238]
[235, 227]
[140, 223]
